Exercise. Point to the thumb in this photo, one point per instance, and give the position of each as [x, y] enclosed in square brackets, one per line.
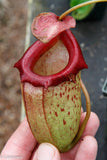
[46, 151]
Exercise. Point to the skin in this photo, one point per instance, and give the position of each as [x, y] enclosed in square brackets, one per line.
[23, 143]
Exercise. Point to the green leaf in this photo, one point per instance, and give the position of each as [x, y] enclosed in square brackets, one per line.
[82, 12]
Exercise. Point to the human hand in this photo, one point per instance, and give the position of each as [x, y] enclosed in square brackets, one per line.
[22, 145]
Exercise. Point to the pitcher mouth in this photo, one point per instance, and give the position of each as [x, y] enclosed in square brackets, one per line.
[75, 64]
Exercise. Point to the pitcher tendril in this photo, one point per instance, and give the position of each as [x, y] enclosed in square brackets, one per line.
[88, 110]
[79, 6]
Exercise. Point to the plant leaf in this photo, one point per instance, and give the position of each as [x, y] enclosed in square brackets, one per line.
[82, 12]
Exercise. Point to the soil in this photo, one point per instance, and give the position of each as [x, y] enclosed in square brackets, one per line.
[13, 17]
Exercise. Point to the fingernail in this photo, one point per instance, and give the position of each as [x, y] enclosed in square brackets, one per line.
[45, 152]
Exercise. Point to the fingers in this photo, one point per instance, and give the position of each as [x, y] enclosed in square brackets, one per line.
[88, 149]
[92, 124]
[46, 151]
[90, 130]
[21, 143]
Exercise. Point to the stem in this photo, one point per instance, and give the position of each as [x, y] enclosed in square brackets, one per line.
[79, 6]
[88, 110]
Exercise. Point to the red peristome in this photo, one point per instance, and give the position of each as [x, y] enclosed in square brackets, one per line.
[46, 26]
[31, 56]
